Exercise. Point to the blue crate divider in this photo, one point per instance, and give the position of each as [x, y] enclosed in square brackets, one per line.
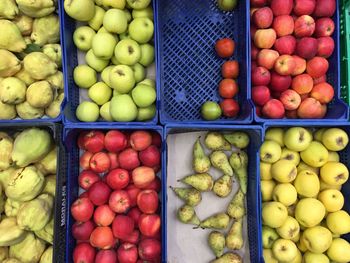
[337, 109]
[70, 54]
[344, 155]
[189, 71]
[70, 135]
[255, 133]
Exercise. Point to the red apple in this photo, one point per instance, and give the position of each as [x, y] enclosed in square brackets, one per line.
[106, 256]
[323, 92]
[283, 25]
[102, 237]
[84, 253]
[150, 249]
[133, 238]
[113, 157]
[127, 253]
[228, 88]
[99, 193]
[307, 47]
[132, 191]
[140, 140]
[302, 84]
[84, 194]
[149, 225]
[128, 159]
[100, 162]
[300, 65]
[263, 17]
[103, 215]
[147, 201]
[311, 109]
[115, 141]
[260, 95]
[156, 139]
[279, 82]
[143, 176]
[82, 209]
[324, 27]
[290, 99]
[284, 65]
[325, 8]
[261, 76]
[304, 26]
[266, 58]
[265, 38]
[258, 3]
[82, 230]
[229, 107]
[155, 185]
[135, 214]
[225, 47]
[94, 141]
[254, 51]
[150, 157]
[281, 7]
[87, 178]
[118, 179]
[285, 45]
[119, 201]
[230, 69]
[320, 80]
[317, 67]
[304, 7]
[122, 226]
[84, 160]
[325, 47]
[273, 109]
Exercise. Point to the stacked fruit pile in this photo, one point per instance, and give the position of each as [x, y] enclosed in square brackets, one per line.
[27, 192]
[120, 50]
[302, 212]
[291, 43]
[118, 213]
[30, 55]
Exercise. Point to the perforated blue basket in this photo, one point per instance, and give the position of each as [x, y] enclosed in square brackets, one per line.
[337, 109]
[189, 71]
[70, 134]
[253, 202]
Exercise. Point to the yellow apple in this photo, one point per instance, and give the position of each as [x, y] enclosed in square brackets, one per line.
[296, 238]
[297, 139]
[270, 152]
[285, 193]
[315, 155]
[309, 212]
[303, 166]
[339, 251]
[269, 235]
[310, 257]
[318, 134]
[324, 186]
[301, 245]
[265, 171]
[298, 258]
[338, 222]
[317, 239]
[267, 187]
[307, 184]
[335, 139]
[275, 134]
[284, 250]
[334, 173]
[333, 156]
[332, 199]
[284, 171]
[274, 214]
[290, 229]
[268, 256]
[290, 155]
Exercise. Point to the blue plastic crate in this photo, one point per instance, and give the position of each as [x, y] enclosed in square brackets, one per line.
[70, 54]
[253, 194]
[189, 71]
[337, 109]
[344, 156]
[70, 135]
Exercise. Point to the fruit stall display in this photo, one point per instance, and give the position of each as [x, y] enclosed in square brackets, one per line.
[31, 61]
[114, 195]
[110, 59]
[295, 60]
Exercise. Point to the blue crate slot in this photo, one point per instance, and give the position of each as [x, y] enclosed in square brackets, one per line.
[70, 134]
[253, 194]
[70, 54]
[337, 109]
[189, 71]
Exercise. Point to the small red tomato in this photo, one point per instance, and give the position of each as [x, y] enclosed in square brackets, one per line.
[230, 69]
[228, 88]
[229, 107]
[225, 47]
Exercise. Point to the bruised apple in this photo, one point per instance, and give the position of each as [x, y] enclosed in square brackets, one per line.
[311, 108]
[290, 99]
[322, 92]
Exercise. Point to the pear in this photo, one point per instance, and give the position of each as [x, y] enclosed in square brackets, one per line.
[56, 80]
[236, 208]
[239, 163]
[81, 10]
[186, 214]
[228, 258]
[339, 251]
[238, 139]
[191, 196]
[12, 90]
[217, 221]
[201, 182]
[201, 162]
[219, 161]
[24, 23]
[40, 94]
[10, 37]
[7, 111]
[54, 52]
[54, 109]
[46, 30]
[268, 256]
[6, 145]
[216, 141]
[339, 222]
[234, 238]
[36, 3]
[9, 63]
[25, 77]
[10, 233]
[36, 8]
[48, 164]
[39, 65]
[216, 241]
[223, 186]
[8, 9]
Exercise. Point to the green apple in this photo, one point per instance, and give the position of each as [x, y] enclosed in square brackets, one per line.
[227, 5]
[144, 95]
[116, 93]
[270, 152]
[149, 82]
[317, 239]
[290, 155]
[124, 35]
[145, 12]
[318, 134]
[332, 199]
[338, 222]
[97, 21]
[339, 251]
[269, 235]
[81, 10]
[128, 15]
[268, 256]
[119, 4]
[98, 2]
[141, 29]
[104, 111]
[103, 45]
[147, 54]
[307, 184]
[315, 155]
[297, 139]
[285, 194]
[138, 4]
[267, 187]
[290, 228]
[147, 113]
[87, 111]
[82, 37]
[84, 76]
[96, 63]
[284, 171]
[210, 110]
[139, 72]
[335, 139]
[122, 78]
[127, 52]
[100, 93]
[310, 257]
[115, 61]
[334, 173]
[115, 21]
[284, 250]
[274, 214]
[105, 75]
[122, 108]
[265, 171]
[102, 30]
[309, 212]
[275, 134]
